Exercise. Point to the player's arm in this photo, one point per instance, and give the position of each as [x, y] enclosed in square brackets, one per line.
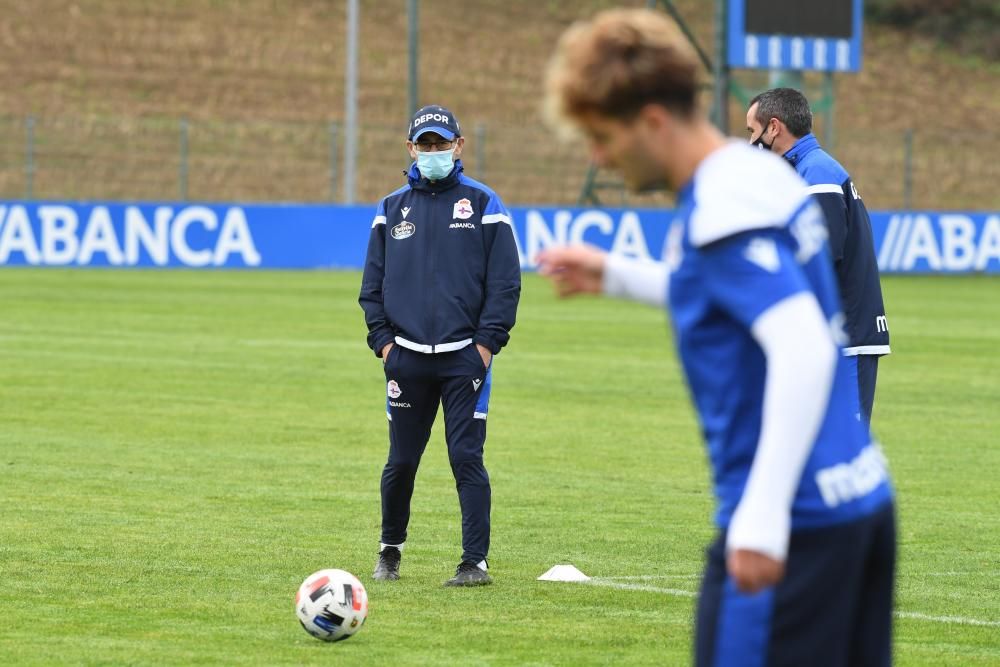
[801, 359]
[380, 332]
[588, 270]
[503, 280]
[756, 279]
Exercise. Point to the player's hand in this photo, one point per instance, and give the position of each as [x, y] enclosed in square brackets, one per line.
[753, 571]
[385, 351]
[573, 269]
[485, 354]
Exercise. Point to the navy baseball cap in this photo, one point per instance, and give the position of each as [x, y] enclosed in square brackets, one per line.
[434, 118]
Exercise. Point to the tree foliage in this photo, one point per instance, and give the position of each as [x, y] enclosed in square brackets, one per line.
[971, 26]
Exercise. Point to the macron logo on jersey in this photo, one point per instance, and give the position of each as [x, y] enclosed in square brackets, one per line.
[845, 482]
[763, 253]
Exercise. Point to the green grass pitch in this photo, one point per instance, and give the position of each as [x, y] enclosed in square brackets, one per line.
[180, 449]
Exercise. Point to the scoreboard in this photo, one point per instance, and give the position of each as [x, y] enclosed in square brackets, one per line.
[818, 35]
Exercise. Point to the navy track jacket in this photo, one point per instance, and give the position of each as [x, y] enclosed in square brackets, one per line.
[442, 270]
[851, 245]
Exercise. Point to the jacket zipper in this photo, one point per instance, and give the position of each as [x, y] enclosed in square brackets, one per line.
[430, 271]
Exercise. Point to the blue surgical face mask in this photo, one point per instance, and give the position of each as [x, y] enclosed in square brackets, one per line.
[435, 165]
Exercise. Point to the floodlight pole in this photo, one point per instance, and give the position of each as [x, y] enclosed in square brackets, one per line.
[720, 96]
[413, 32]
[351, 102]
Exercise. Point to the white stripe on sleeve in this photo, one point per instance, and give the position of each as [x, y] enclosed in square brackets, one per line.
[638, 280]
[379, 220]
[801, 361]
[825, 187]
[494, 218]
[867, 349]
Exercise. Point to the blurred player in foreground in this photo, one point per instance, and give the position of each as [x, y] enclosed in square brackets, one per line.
[802, 570]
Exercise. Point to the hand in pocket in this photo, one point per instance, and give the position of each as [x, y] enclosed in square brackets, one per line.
[486, 355]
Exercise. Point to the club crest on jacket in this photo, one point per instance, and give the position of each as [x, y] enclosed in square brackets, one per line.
[462, 210]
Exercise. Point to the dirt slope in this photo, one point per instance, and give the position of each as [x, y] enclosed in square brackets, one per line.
[260, 81]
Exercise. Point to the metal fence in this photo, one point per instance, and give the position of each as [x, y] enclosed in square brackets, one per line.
[131, 159]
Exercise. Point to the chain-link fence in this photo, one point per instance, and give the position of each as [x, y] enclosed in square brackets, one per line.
[174, 159]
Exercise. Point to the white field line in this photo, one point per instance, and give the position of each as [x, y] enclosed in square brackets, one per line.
[621, 585]
[648, 577]
[957, 620]
[615, 582]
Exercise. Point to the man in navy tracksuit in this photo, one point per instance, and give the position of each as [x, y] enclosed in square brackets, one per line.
[440, 290]
[780, 120]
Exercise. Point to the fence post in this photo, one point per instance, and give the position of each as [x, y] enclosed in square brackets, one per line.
[828, 92]
[481, 151]
[908, 168]
[29, 157]
[334, 132]
[182, 176]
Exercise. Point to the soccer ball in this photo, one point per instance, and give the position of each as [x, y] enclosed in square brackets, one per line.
[331, 605]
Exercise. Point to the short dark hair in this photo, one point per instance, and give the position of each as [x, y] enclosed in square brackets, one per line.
[787, 105]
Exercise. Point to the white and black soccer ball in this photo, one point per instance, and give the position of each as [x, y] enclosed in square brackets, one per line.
[331, 605]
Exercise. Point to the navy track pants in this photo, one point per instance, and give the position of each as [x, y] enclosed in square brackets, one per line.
[867, 375]
[416, 384]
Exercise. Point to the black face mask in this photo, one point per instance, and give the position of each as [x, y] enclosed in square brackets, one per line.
[759, 141]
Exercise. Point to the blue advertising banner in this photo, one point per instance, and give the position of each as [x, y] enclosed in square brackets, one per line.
[933, 242]
[201, 235]
[328, 236]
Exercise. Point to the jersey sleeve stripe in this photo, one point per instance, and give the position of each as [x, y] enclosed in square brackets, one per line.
[379, 220]
[823, 188]
[866, 349]
[493, 218]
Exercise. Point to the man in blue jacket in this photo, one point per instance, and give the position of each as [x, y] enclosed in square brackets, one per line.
[440, 290]
[780, 120]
